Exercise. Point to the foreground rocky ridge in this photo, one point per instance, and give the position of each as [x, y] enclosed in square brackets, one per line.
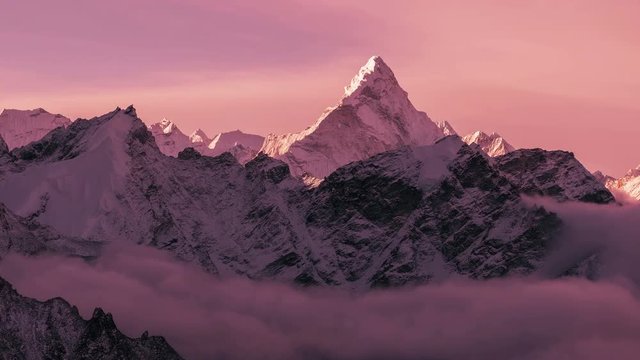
[53, 329]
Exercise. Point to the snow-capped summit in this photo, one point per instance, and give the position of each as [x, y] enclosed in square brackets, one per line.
[374, 71]
[492, 144]
[628, 184]
[199, 136]
[199, 141]
[374, 115]
[21, 127]
[169, 138]
[171, 141]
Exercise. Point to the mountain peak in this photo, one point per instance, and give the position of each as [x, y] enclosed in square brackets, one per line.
[492, 144]
[199, 136]
[373, 71]
[130, 110]
[374, 116]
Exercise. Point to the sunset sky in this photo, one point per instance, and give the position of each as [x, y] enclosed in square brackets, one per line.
[551, 74]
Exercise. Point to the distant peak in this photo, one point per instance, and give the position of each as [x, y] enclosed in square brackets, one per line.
[130, 110]
[199, 136]
[446, 128]
[374, 69]
[493, 144]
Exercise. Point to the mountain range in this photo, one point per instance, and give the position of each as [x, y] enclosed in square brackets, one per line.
[373, 194]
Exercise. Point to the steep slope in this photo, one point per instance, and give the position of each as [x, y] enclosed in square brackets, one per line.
[21, 127]
[492, 144]
[169, 138]
[557, 174]
[628, 184]
[375, 115]
[53, 329]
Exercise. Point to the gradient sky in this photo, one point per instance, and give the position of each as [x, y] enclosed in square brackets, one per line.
[552, 74]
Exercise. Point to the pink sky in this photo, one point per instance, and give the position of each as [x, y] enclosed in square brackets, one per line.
[557, 75]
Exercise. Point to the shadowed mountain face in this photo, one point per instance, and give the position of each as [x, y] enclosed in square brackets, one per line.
[53, 329]
[557, 174]
[404, 216]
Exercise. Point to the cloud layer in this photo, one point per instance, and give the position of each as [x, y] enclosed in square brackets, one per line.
[529, 318]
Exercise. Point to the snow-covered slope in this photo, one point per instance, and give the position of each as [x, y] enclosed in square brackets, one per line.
[79, 170]
[169, 138]
[557, 174]
[171, 141]
[375, 115]
[492, 144]
[628, 184]
[53, 329]
[21, 127]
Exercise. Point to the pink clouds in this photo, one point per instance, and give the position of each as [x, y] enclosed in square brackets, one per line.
[274, 67]
[236, 319]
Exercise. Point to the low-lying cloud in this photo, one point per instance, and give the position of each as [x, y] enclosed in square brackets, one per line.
[205, 318]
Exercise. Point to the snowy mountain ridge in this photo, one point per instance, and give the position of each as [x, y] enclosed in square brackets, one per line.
[492, 144]
[172, 141]
[629, 184]
[404, 216]
[21, 127]
[373, 116]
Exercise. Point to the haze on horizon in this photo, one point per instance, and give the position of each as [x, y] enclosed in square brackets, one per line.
[541, 73]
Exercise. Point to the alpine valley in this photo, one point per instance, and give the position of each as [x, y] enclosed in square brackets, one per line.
[374, 194]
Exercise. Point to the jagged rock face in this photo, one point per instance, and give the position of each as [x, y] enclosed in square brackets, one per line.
[557, 174]
[391, 227]
[405, 216]
[21, 127]
[375, 115]
[492, 144]
[53, 329]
